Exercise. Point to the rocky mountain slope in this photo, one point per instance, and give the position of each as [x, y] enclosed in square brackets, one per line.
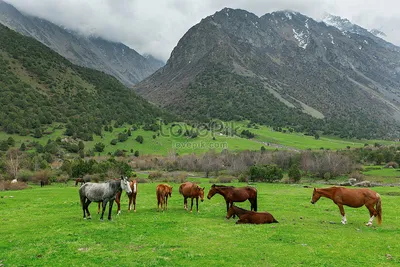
[113, 58]
[282, 69]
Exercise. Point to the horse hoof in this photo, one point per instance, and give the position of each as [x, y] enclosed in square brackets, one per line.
[134, 210]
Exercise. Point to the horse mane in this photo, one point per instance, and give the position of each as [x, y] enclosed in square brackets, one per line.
[114, 183]
[225, 186]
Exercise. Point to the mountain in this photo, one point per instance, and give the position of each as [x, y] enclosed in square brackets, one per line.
[38, 88]
[346, 26]
[113, 58]
[281, 69]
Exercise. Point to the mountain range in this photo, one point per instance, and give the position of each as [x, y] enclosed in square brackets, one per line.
[282, 69]
[113, 58]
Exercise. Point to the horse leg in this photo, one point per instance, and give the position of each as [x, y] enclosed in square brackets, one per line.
[191, 206]
[103, 209]
[166, 202]
[98, 207]
[87, 208]
[130, 202]
[344, 221]
[83, 200]
[372, 214]
[185, 203]
[110, 209]
[134, 202]
[118, 201]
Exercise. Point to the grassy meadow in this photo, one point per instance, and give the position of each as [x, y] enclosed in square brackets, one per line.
[169, 140]
[44, 227]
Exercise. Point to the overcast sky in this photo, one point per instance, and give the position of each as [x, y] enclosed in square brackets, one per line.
[155, 26]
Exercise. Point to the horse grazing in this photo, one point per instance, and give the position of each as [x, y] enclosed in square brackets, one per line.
[102, 192]
[246, 216]
[354, 198]
[162, 192]
[131, 196]
[191, 190]
[82, 180]
[235, 194]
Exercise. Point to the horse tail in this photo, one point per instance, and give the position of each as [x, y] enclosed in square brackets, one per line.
[255, 204]
[379, 209]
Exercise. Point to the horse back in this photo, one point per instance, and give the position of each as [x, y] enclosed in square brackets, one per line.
[354, 197]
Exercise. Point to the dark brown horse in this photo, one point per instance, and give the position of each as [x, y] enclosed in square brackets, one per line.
[82, 180]
[354, 198]
[235, 194]
[163, 191]
[131, 196]
[191, 190]
[247, 216]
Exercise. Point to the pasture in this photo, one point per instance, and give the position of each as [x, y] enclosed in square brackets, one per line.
[44, 227]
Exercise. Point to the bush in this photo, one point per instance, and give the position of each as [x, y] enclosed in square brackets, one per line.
[392, 164]
[7, 185]
[294, 173]
[99, 147]
[243, 178]
[25, 176]
[42, 175]
[224, 179]
[155, 175]
[114, 142]
[265, 173]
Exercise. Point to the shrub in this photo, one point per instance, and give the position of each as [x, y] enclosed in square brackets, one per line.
[294, 173]
[42, 175]
[224, 179]
[265, 173]
[243, 178]
[7, 185]
[139, 139]
[114, 142]
[25, 175]
[155, 175]
[392, 164]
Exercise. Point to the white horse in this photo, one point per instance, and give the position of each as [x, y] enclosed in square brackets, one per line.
[102, 192]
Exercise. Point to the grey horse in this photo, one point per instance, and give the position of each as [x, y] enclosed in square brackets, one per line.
[102, 192]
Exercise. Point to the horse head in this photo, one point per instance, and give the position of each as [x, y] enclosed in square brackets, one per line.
[212, 192]
[125, 184]
[231, 212]
[315, 197]
[200, 193]
[170, 191]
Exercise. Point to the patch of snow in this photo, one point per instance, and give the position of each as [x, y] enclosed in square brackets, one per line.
[301, 37]
[288, 15]
[360, 47]
[366, 42]
[308, 27]
[330, 35]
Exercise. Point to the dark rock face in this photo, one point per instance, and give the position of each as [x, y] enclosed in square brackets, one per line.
[282, 69]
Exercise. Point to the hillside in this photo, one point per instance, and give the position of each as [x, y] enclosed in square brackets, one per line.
[113, 58]
[39, 87]
[281, 69]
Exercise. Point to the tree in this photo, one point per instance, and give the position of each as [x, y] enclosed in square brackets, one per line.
[14, 157]
[316, 136]
[81, 145]
[99, 147]
[139, 139]
[136, 153]
[294, 173]
[263, 149]
[11, 141]
[38, 133]
[22, 147]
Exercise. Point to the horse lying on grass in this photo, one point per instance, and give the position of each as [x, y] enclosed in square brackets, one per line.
[102, 192]
[247, 216]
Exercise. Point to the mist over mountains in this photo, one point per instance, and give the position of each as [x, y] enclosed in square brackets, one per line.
[113, 58]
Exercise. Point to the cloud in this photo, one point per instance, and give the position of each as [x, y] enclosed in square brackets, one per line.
[155, 26]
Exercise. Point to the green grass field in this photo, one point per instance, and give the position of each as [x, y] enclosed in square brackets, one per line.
[44, 227]
[169, 141]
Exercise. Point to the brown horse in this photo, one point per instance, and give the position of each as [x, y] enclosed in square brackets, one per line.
[163, 191]
[235, 194]
[246, 216]
[131, 196]
[79, 180]
[354, 198]
[191, 190]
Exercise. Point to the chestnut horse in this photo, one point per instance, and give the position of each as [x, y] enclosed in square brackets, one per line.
[82, 180]
[235, 194]
[131, 196]
[191, 190]
[246, 216]
[354, 198]
[163, 191]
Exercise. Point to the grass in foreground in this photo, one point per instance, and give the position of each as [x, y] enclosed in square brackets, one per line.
[44, 226]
